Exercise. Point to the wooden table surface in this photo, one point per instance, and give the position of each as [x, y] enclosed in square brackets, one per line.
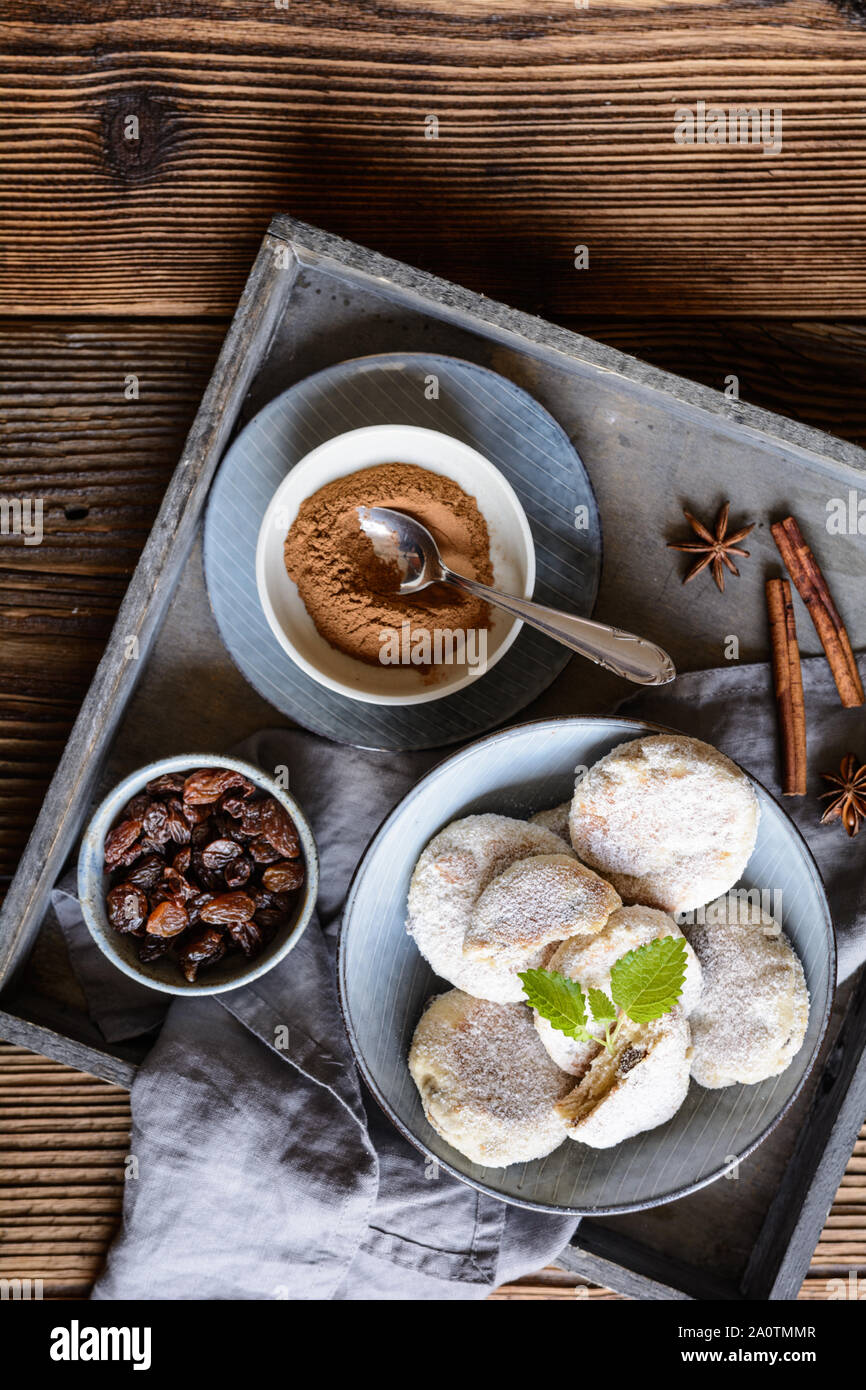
[123, 258]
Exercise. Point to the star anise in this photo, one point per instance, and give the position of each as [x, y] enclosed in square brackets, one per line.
[714, 549]
[849, 802]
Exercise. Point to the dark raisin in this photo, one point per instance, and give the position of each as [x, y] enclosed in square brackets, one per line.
[203, 948]
[152, 947]
[181, 860]
[279, 828]
[238, 872]
[178, 825]
[208, 785]
[135, 809]
[151, 847]
[169, 782]
[155, 823]
[630, 1058]
[146, 872]
[177, 885]
[219, 853]
[252, 823]
[207, 879]
[247, 936]
[228, 907]
[133, 854]
[127, 909]
[162, 893]
[284, 877]
[269, 920]
[195, 905]
[195, 815]
[168, 919]
[119, 840]
[263, 852]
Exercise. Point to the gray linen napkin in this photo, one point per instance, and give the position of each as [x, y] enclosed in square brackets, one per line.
[261, 1169]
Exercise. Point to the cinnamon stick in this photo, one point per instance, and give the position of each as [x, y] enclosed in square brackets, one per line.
[788, 681]
[812, 588]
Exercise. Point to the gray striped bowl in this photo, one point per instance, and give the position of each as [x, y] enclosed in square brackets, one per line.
[473, 405]
[385, 982]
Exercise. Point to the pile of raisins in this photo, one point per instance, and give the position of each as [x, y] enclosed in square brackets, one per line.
[202, 864]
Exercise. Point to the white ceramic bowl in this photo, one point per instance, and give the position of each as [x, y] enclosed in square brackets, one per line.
[511, 550]
[165, 974]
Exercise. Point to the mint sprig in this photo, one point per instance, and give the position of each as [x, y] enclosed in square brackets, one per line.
[644, 984]
[558, 999]
[647, 982]
[602, 1007]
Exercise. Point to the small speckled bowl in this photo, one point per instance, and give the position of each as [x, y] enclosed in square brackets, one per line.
[165, 975]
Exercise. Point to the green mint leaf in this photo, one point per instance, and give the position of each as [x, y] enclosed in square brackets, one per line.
[602, 1007]
[647, 982]
[559, 1000]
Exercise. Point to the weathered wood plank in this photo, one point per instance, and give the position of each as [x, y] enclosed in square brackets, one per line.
[164, 553]
[61, 1184]
[531, 1292]
[70, 438]
[59, 1231]
[97, 460]
[810, 371]
[556, 128]
[801, 1202]
[53, 622]
[40, 709]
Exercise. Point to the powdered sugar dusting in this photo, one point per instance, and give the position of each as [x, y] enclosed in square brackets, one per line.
[754, 1008]
[447, 881]
[535, 901]
[641, 1086]
[669, 820]
[486, 1083]
[555, 818]
[668, 823]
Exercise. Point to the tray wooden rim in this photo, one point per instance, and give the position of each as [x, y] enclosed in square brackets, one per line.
[815, 1169]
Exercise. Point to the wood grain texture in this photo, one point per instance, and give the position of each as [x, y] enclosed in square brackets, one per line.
[73, 439]
[165, 551]
[64, 1138]
[100, 464]
[812, 371]
[556, 129]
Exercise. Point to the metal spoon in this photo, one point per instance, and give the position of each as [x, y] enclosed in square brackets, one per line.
[401, 539]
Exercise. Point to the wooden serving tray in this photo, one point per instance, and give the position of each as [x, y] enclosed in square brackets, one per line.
[649, 441]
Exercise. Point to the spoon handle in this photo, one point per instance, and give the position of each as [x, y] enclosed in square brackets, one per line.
[635, 658]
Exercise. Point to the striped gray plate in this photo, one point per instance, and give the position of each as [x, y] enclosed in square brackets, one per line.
[385, 982]
[474, 405]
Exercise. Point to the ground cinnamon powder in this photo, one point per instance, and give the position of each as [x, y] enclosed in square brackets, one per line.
[339, 578]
